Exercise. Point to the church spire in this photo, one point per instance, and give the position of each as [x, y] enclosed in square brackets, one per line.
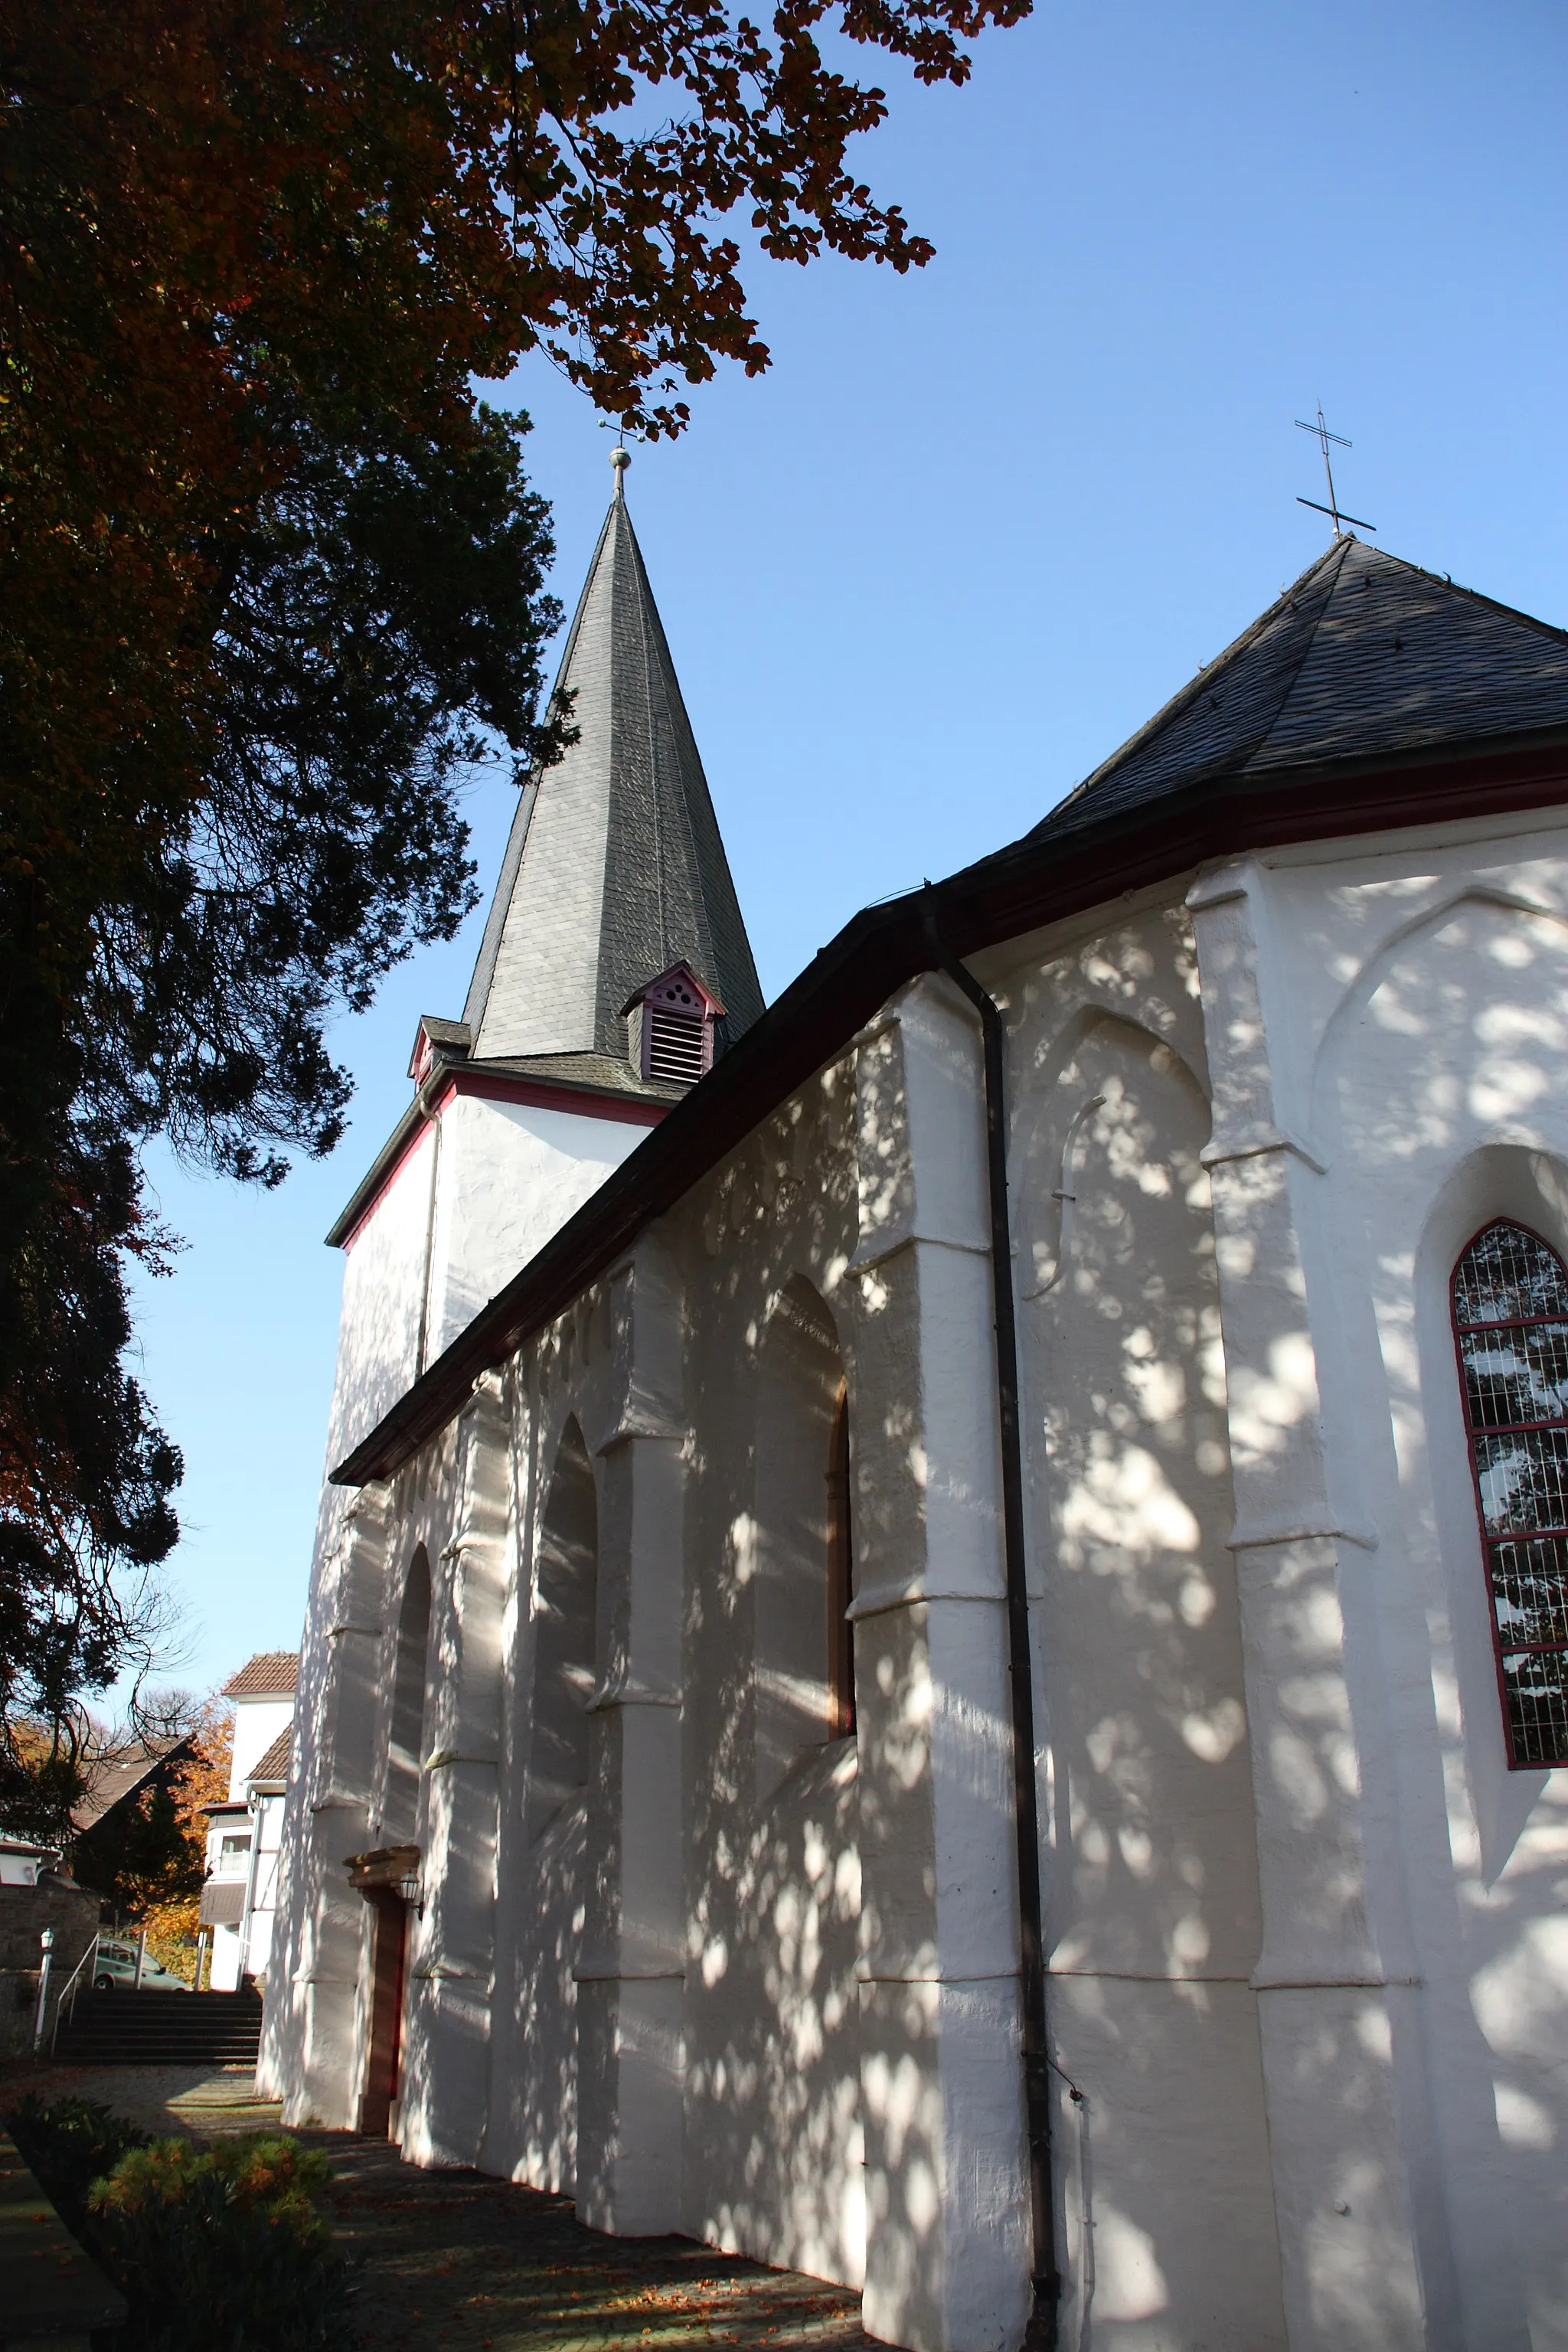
[615, 870]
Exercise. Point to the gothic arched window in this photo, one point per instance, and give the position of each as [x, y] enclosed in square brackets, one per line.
[803, 1661]
[400, 1813]
[565, 1635]
[1510, 1323]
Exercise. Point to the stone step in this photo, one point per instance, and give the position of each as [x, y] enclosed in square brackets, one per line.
[150, 2029]
[157, 2054]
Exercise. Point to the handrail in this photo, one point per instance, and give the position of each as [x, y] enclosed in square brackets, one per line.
[70, 1988]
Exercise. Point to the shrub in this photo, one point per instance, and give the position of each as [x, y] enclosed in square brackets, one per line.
[217, 2249]
[221, 2249]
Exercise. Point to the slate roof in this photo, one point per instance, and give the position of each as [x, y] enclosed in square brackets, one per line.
[1373, 695]
[271, 1673]
[1363, 658]
[270, 1769]
[615, 868]
[599, 1073]
[454, 1034]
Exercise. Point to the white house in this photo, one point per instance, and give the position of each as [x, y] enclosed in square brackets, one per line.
[240, 1897]
[22, 1864]
[956, 1673]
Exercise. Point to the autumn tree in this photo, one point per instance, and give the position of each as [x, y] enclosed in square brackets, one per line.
[147, 1854]
[272, 575]
[169, 1907]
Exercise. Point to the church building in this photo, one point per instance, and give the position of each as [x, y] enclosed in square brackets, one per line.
[938, 1649]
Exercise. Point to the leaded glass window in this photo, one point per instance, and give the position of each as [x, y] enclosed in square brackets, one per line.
[1511, 1322]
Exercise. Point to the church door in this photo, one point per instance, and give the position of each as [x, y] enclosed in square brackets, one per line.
[388, 1968]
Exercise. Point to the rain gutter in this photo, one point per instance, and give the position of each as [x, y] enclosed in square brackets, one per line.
[1041, 2333]
[1076, 860]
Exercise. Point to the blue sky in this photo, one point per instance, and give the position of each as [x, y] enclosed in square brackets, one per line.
[974, 526]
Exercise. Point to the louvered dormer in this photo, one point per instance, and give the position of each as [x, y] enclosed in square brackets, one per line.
[613, 871]
[671, 1024]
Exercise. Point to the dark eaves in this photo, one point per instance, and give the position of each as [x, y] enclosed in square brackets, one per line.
[1073, 862]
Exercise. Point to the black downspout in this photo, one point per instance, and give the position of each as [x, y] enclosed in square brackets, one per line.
[1041, 2333]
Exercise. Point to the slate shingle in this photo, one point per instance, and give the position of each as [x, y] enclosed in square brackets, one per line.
[1364, 656]
[614, 869]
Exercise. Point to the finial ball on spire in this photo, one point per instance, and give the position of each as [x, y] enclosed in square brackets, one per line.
[620, 459]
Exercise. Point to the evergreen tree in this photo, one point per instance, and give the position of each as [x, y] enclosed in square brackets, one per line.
[270, 574]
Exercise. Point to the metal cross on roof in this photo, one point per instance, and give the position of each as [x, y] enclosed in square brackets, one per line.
[1333, 509]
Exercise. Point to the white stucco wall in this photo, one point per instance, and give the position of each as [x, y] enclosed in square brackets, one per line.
[1415, 998]
[256, 1724]
[247, 1947]
[233, 1869]
[383, 1299]
[1308, 1979]
[511, 1174]
[433, 1247]
[1154, 1921]
[258, 1945]
[223, 1968]
[765, 1913]
[506, 1176]
[698, 2009]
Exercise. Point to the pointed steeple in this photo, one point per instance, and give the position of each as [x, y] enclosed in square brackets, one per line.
[615, 870]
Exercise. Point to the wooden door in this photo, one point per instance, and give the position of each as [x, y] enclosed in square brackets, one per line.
[387, 1967]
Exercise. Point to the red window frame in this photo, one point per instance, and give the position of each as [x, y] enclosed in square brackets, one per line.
[1495, 1539]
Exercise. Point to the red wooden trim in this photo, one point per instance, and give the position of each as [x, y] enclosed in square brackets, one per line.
[625, 1110]
[1047, 877]
[1521, 1535]
[410, 1145]
[1511, 1428]
[1519, 1322]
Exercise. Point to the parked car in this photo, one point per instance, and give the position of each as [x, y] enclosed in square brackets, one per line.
[116, 1965]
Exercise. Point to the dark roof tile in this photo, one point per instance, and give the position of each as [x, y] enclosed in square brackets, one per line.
[112, 1779]
[615, 868]
[1365, 657]
[600, 1073]
[1313, 724]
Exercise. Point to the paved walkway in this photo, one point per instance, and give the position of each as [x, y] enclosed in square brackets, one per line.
[478, 2265]
[466, 2263]
[196, 2101]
